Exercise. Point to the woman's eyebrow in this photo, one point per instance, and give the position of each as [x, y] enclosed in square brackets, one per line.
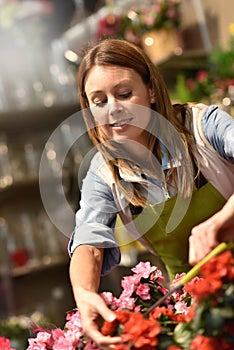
[122, 82]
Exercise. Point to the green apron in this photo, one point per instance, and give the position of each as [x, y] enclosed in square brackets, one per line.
[172, 247]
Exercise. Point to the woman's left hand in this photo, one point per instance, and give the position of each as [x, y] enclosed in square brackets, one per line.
[207, 235]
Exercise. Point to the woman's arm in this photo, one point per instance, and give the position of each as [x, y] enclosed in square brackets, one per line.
[94, 251]
[85, 271]
[207, 235]
[218, 129]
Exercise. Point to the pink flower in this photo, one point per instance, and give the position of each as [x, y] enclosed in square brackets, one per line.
[43, 337]
[107, 297]
[163, 290]
[57, 333]
[177, 278]
[91, 346]
[143, 292]
[129, 284]
[42, 340]
[74, 322]
[181, 307]
[202, 75]
[149, 19]
[171, 13]
[33, 345]
[74, 338]
[190, 84]
[143, 269]
[157, 276]
[126, 302]
[63, 343]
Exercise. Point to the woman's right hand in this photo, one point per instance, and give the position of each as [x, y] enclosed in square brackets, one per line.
[93, 310]
[85, 270]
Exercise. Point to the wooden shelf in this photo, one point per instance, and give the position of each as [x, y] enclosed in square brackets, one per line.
[31, 286]
[191, 60]
[44, 264]
[36, 119]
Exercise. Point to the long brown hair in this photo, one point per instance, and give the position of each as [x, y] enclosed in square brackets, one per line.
[122, 53]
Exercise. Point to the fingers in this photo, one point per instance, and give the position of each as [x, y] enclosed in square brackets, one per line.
[202, 240]
[91, 331]
[103, 341]
[198, 249]
[207, 235]
[105, 312]
[91, 313]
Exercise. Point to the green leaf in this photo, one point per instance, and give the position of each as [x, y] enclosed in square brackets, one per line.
[183, 334]
[214, 322]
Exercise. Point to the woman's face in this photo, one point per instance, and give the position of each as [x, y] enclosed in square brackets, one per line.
[116, 97]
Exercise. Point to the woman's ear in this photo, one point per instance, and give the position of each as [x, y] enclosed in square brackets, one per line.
[152, 96]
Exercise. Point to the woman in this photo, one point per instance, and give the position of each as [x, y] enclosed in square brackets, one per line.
[163, 169]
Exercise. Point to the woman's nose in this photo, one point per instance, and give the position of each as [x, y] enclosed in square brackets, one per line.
[115, 108]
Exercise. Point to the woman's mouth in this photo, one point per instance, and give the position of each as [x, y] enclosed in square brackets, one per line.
[121, 123]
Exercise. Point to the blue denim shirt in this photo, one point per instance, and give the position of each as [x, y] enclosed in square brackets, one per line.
[96, 217]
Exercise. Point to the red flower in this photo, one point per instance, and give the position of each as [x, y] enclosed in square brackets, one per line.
[158, 311]
[202, 75]
[5, 344]
[220, 267]
[121, 347]
[123, 316]
[108, 26]
[214, 273]
[109, 328]
[174, 347]
[204, 343]
[203, 288]
[191, 313]
[141, 332]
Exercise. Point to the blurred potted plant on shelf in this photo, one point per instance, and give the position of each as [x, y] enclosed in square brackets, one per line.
[215, 84]
[153, 25]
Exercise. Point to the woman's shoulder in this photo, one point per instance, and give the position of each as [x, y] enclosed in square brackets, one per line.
[212, 120]
[97, 160]
[99, 167]
[209, 118]
[215, 128]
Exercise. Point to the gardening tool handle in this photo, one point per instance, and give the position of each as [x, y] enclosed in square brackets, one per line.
[195, 270]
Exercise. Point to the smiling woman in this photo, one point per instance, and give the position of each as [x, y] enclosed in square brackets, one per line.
[112, 105]
[149, 171]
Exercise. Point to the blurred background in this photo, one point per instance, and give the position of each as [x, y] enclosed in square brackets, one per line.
[41, 44]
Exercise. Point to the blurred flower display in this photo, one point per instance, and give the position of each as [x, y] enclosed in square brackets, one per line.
[141, 18]
[199, 316]
[215, 84]
[154, 15]
[153, 25]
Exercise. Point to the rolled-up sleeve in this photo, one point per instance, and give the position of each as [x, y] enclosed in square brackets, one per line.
[95, 220]
[218, 128]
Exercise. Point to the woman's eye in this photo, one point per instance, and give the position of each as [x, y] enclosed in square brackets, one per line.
[125, 95]
[100, 104]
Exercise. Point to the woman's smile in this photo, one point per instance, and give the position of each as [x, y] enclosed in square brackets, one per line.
[121, 124]
[116, 96]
